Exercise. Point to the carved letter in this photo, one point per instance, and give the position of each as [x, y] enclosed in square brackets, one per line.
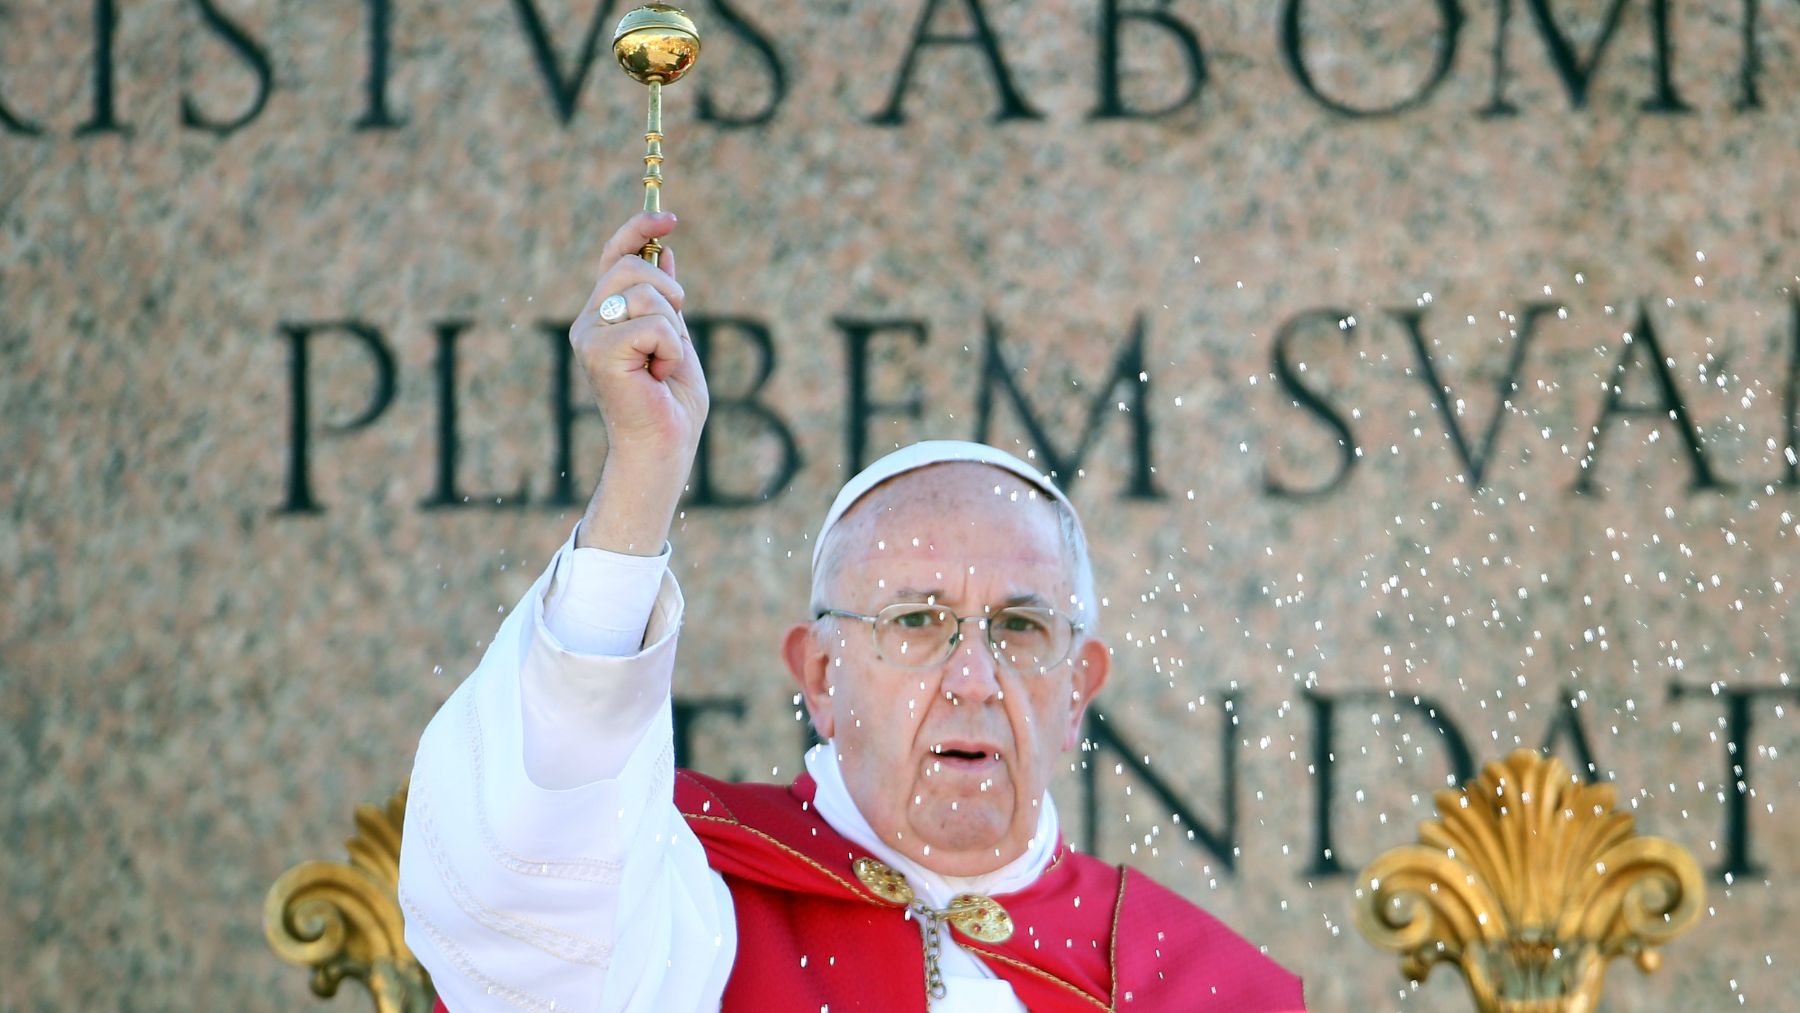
[1670, 408]
[857, 335]
[565, 91]
[253, 55]
[300, 498]
[736, 24]
[1474, 464]
[1750, 68]
[104, 120]
[702, 491]
[376, 115]
[1293, 47]
[1012, 106]
[449, 443]
[1735, 789]
[1791, 402]
[1222, 840]
[1577, 73]
[1287, 372]
[689, 710]
[1112, 20]
[11, 121]
[1065, 466]
[1568, 722]
[16, 125]
[1327, 861]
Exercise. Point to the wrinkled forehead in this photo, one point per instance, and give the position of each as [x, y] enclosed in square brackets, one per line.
[948, 512]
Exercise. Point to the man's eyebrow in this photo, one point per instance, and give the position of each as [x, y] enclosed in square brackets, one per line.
[1029, 598]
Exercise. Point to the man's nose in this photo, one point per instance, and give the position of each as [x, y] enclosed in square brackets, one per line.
[973, 673]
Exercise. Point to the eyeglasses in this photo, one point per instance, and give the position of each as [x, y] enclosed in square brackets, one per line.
[1025, 639]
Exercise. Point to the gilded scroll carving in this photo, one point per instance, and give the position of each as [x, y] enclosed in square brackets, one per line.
[342, 919]
[1530, 883]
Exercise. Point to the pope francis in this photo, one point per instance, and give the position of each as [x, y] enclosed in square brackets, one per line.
[556, 859]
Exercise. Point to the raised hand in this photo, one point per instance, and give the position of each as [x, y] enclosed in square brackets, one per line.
[640, 365]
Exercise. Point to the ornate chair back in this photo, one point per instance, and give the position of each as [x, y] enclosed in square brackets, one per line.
[1530, 883]
[342, 919]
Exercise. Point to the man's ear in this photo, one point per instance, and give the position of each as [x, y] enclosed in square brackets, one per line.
[808, 663]
[1092, 663]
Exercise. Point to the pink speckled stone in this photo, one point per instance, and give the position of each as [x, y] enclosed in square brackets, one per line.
[196, 689]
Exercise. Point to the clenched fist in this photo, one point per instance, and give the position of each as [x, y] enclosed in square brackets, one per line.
[647, 381]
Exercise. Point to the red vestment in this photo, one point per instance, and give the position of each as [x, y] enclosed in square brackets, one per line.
[1087, 936]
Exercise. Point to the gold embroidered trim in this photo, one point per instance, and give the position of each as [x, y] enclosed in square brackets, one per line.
[841, 881]
[689, 778]
[731, 819]
[1112, 956]
[1046, 975]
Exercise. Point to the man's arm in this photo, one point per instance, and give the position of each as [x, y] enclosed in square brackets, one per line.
[651, 392]
[544, 861]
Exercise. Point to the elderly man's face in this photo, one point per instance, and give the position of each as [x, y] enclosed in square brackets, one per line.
[947, 762]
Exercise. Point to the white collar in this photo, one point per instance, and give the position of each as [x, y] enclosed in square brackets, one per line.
[839, 810]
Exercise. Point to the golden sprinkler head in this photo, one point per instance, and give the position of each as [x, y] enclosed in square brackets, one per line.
[656, 43]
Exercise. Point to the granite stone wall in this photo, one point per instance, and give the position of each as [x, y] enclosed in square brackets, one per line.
[1428, 374]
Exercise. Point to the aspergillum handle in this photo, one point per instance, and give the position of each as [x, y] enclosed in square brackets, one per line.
[653, 159]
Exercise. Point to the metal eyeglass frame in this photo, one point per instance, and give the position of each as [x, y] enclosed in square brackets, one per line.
[956, 635]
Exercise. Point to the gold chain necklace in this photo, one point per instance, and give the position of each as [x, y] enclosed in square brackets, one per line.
[978, 917]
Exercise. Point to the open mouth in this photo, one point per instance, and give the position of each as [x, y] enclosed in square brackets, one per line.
[964, 754]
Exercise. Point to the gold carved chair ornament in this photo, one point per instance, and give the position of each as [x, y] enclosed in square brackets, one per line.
[1530, 883]
[342, 919]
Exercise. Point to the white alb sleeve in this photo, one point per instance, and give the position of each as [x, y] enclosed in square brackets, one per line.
[580, 895]
[583, 716]
[599, 601]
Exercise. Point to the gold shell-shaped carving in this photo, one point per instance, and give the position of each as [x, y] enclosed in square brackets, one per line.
[342, 919]
[1530, 883]
[882, 880]
[980, 918]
